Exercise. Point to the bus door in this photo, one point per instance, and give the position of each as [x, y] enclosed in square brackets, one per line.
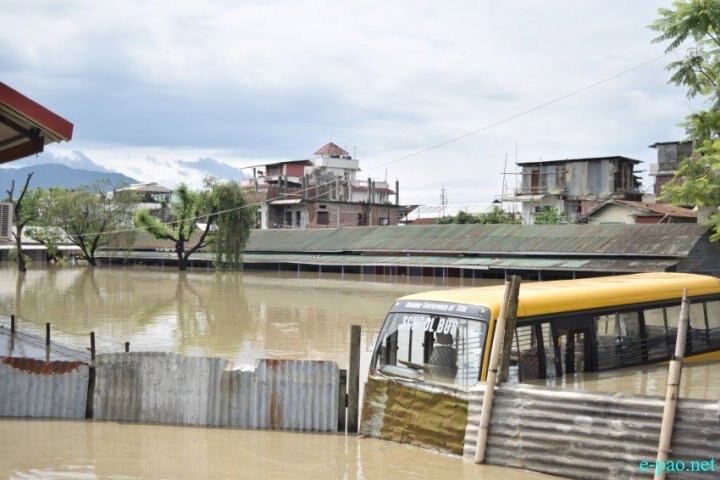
[573, 345]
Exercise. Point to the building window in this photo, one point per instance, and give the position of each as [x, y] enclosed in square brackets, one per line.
[323, 218]
[361, 220]
[383, 221]
[298, 217]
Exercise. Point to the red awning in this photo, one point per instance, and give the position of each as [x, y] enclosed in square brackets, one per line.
[26, 126]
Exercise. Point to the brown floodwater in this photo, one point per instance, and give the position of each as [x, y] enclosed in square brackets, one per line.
[240, 317]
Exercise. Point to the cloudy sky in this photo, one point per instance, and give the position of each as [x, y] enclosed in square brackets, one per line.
[163, 90]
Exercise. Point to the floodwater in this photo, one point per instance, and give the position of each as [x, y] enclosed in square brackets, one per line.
[240, 317]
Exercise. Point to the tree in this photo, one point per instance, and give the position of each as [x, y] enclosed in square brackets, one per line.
[25, 210]
[696, 181]
[90, 216]
[235, 220]
[550, 216]
[497, 215]
[228, 221]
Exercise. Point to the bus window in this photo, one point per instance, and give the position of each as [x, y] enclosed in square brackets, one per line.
[618, 339]
[697, 330]
[713, 319]
[549, 346]
[525, 353]
[438, 348]
[657, 335]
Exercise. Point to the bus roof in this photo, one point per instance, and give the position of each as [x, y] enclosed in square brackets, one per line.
[543, 298]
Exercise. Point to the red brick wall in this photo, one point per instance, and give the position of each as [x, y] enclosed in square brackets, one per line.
[349, 213]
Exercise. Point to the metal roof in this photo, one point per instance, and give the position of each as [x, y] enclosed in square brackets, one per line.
[331, 150]
[26, 126]
[673, 240]
[588, 159]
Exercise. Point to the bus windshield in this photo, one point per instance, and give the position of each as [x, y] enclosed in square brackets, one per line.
[436, 347]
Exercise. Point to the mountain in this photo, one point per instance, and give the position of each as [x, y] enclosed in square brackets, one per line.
[57, 175]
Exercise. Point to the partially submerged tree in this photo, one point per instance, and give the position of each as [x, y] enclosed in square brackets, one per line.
[90, 216]
[698, 21]
[25, 210]
[224, 218]
[235, 220]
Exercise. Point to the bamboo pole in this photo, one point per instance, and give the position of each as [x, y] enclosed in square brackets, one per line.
[510, 322]
[497, 346]
[673, 387]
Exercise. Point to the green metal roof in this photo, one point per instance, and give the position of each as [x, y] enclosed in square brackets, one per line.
[673, 240]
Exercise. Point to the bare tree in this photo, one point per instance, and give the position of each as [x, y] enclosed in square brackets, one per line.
[25, 210]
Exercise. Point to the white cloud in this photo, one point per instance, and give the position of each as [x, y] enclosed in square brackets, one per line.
[245, 82]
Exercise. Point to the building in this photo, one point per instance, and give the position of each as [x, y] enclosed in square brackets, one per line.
[669, 157]
[574, 186]
[625, 211]
[320, 192]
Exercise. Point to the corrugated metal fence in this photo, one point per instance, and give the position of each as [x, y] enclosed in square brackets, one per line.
[34, 388]
[172, 389]
[589, 435]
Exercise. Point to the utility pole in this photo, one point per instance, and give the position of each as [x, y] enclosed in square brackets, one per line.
[443, 200]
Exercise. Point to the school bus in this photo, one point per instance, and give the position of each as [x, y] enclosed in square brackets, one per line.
[563, 327]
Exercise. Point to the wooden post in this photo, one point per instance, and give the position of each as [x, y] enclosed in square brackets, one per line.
[342, 400]
[511, 314]
[92, 346]
[354, 380]
[12, 324]
[127, 347]
[47, 333]
[497, 346]
[673, 387]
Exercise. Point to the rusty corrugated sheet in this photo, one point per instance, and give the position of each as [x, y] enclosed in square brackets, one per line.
[673, 240]
[422, 415]
[587, 435]
[35, 388]
[169, 388]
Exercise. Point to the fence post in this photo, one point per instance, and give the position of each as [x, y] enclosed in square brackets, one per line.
[354, 380]
[127, 347]
[47, 333]
[92, 346]
[342, 400]
[497, 345]
[673, 387]
[12, 324]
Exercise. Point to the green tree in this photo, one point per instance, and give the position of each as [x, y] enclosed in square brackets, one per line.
[219, 205]
[91, 217]
[235, 221]
[497, 215]
[698, 21]
[551, 216]
[25, 210]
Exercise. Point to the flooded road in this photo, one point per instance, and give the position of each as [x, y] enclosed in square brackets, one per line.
[240, 317]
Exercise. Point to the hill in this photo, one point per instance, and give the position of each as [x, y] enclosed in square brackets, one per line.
[56, 175]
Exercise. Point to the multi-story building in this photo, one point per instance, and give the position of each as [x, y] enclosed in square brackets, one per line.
[320, 192]
[669, 157]
[574, 186]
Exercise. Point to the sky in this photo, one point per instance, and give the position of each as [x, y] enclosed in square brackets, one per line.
[166, 91]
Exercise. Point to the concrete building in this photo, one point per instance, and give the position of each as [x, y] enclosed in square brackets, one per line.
[320, 192]
[669, 157]
[574, 186]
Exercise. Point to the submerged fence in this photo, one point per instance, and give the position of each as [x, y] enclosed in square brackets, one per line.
[569, 433]
[168, 388]
[172, 389]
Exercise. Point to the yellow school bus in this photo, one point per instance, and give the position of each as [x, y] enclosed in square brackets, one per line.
[563, 327]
